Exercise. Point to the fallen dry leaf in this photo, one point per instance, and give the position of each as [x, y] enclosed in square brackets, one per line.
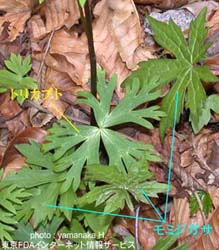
[200, 241]
[180, 214]
[202, 165]
[39, 118]
[170, 4]
[62, 82]
[213, 63]
[8, 108]
[12, 23]
[21, 45]
[117, 52]
[15, 164]
[19, 123]
[126, 30]
[56, 107]
[213, 22]
[211, 241]
[148, 1]
[164, 4]
[57, 13]
[213, 51]
[118, 37]
[4, 139]
[12, 116]
[69, 54]
[196, 7]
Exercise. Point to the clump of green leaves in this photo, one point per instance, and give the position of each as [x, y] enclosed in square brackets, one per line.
[43, 186]
[41, 182]
[84, 148]
[15, 76]
[205, 200]
[120, 187]
[10, 196]
[185, 70]
[53, 174]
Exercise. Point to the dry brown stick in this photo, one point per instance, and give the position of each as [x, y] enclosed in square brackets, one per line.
[86, 19]
[43, 60]
[136, 228]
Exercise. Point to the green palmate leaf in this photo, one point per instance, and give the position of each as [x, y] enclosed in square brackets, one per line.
[184, 70]
[36, 205]
[68, 138]
[7, 222]
[25, 232]
[15, 76]
[85, 145]
[47, 194]
[126, 110]
[206, 203]
[34, 156]
[9, 198]
[41, 182]
[120, 187]
[40, 170]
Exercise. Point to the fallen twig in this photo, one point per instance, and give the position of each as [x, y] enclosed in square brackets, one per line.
[43, 60]
[136, 228]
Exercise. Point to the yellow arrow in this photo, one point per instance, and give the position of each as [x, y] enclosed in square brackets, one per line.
[66, 118]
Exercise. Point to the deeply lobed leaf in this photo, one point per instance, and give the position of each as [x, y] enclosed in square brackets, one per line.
[120, 187]
[85, 146]
[14, 77]
[185, 69]
[9, 197]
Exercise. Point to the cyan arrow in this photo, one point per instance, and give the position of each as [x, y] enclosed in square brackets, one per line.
[169, 167]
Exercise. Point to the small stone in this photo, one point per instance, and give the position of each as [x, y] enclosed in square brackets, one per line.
[181, 17]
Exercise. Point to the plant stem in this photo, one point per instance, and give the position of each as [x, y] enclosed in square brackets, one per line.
[87, 23]
[137, 247]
